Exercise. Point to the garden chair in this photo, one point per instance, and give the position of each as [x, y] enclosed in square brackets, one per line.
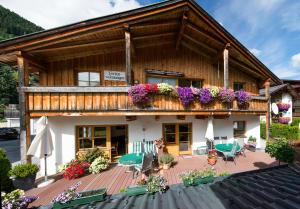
[232, 153]
[145, 166]
[149, 147]
[137, 147]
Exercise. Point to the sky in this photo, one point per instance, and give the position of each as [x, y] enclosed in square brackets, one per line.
[270, 29]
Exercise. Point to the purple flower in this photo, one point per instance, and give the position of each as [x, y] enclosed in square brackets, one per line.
[185, 95]
[226, 95]
[284, 120]
[196, 91]
[68, 195]
[242, 97]
[283, 106]
[138, 94]
[205, 96]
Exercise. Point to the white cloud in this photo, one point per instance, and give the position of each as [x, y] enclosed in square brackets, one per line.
[54, 13]
[284, 72]
[295, 59]
[255, 51]
[290, 17]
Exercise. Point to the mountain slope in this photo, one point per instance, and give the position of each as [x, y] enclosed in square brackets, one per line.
[12, 25]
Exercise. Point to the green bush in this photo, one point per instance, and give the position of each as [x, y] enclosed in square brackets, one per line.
[99, 164]
[5, 166]
[23, 170]
[284, 131]
[278, 130]
[166, 158]
[263, 130]
[295, 122]
[281, 150]
[92, 154]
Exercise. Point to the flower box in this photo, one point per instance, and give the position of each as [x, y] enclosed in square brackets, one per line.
[136, 190]
[201, 180]
[86, 198]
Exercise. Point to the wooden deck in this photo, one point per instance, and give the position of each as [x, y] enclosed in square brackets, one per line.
[116, 178]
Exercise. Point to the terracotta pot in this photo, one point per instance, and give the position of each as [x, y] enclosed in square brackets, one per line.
[166, 166]
[211, 161]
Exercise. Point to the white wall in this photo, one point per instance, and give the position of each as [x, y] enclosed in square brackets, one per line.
[63, 132]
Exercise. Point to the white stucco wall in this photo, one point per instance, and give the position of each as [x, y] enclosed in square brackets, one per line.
[63, 132]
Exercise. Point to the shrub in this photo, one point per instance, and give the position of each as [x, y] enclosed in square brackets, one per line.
[156, 184]
[295, 122]
[76, 169]
[5, 166]
[166, 158]
[92, 154]
[23, 170]
[284, 131]
[99, 164]
[281, 150]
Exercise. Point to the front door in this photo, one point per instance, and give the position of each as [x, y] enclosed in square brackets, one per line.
[178, 138]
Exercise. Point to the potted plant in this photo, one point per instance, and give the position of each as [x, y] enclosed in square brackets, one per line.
[185, 95]
[227, 96]
[243, 98]
[16, 199]
[212, 158]
[76, 169]
[196, 177]
[23, 175]
[99, 164]
[166, 160]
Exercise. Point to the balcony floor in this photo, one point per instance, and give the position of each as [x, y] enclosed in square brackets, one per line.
[116, 178]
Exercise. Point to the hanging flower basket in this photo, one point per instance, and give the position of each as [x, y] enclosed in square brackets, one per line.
[284, 120]
[283, 107]
[243, 98]
[185, 95]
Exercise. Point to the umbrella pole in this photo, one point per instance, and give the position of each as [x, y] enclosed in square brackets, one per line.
[46, 177]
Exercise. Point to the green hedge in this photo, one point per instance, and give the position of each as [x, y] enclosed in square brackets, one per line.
[5, 166]
[281, 131]
[295, 122]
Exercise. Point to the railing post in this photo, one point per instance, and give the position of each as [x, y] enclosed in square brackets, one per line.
[268, 97]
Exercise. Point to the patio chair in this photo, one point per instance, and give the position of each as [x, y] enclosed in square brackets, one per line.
[145, 166]
[137, 147]
[232, 153]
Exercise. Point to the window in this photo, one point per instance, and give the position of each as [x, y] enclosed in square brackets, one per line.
[91, 136]
[181, 131]
[170, 81]
[88, 79]
[190, 82]
[239, 128]
[238, 86]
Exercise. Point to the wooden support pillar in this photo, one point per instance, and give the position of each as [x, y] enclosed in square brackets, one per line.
[128, 57]
[268, 114]
[23, 77]
[226, 70]
[181, 31]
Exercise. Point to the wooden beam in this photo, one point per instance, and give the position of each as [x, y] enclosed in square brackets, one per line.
[132, 47]
[23, 77]
[130, 118]
[204, 33]
[226, 70]
[154, 25]
[196, 50]
[201, 44]
[32, 60]
[75, 89]
[181, 31]
[128, 58]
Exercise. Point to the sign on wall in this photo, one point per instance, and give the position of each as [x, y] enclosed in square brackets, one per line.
[114, 76]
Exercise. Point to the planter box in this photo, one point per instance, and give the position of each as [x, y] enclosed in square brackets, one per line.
[86, 198]
[199, 181]
[136, 190]
[25, 183]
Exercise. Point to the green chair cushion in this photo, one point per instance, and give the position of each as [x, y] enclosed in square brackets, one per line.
[131, 159]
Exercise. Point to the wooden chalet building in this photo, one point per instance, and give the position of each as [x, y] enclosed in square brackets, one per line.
[86, 69]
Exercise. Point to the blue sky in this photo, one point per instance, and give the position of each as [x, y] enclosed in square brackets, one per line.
[268, 28]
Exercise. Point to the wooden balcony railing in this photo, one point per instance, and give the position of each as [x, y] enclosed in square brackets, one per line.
[104, 99]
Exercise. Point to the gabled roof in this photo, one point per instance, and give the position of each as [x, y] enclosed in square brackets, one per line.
[51, 37]
[271, 188]
[283, 87]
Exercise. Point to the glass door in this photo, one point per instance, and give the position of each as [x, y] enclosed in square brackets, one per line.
[184, 138]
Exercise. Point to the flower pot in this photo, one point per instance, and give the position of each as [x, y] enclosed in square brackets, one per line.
[211, 161]
[166, 166]
[24, 183]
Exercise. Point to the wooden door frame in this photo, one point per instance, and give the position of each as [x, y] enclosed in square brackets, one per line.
[178, 152]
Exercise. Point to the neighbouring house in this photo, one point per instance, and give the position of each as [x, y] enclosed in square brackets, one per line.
[12, 116]
[284, 96]
[295, 84]
[86, 69]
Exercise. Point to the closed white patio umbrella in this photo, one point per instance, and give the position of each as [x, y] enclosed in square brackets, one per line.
[209, 135]
[42, 146]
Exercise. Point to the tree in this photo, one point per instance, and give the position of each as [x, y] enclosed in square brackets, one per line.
[8, 84]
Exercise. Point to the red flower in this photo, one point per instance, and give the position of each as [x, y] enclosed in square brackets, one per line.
[151, 88]
[76, 169]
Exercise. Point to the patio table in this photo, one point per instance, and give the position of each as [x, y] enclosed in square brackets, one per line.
[226, 147]
[131, 159]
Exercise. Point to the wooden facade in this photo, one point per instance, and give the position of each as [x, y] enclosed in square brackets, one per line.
[172, 36]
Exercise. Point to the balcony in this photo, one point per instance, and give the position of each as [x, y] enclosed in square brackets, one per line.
[115, 101]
